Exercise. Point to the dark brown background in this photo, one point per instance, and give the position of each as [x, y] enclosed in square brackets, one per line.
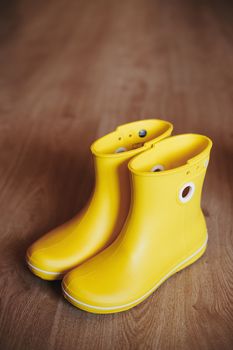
[71, 71]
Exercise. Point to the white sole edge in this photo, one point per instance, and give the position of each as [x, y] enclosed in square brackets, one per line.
[145, 295]
[49, 273]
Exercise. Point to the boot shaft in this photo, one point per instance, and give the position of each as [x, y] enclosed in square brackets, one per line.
[167, 183]
[112, 152]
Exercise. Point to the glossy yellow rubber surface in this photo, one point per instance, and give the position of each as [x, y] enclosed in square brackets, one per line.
[98, 224]
[164, 232]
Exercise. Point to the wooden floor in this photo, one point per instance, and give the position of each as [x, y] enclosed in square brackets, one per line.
[71, 71]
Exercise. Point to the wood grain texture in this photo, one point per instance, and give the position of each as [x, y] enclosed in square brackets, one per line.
[71, 71]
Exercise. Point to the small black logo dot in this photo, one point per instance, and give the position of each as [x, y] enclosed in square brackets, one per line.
[142, 133]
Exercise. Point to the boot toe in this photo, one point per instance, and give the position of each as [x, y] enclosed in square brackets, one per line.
[43, 264]
[101, 295]
[83, 296]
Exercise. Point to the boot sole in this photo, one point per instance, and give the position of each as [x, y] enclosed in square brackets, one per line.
[46, 275]
[114, 309]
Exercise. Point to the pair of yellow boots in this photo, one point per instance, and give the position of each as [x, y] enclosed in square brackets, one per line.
[142, 224]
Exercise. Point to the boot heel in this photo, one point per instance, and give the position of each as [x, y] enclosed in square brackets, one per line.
[192, 259]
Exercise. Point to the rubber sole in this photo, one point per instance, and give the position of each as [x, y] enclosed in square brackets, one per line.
[46, 275]
[119, 308]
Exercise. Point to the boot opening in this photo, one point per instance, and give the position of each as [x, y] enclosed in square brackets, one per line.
[131, 136]
[172, 153]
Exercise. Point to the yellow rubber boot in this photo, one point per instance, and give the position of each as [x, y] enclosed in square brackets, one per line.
[97, 225]
[164, 232]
